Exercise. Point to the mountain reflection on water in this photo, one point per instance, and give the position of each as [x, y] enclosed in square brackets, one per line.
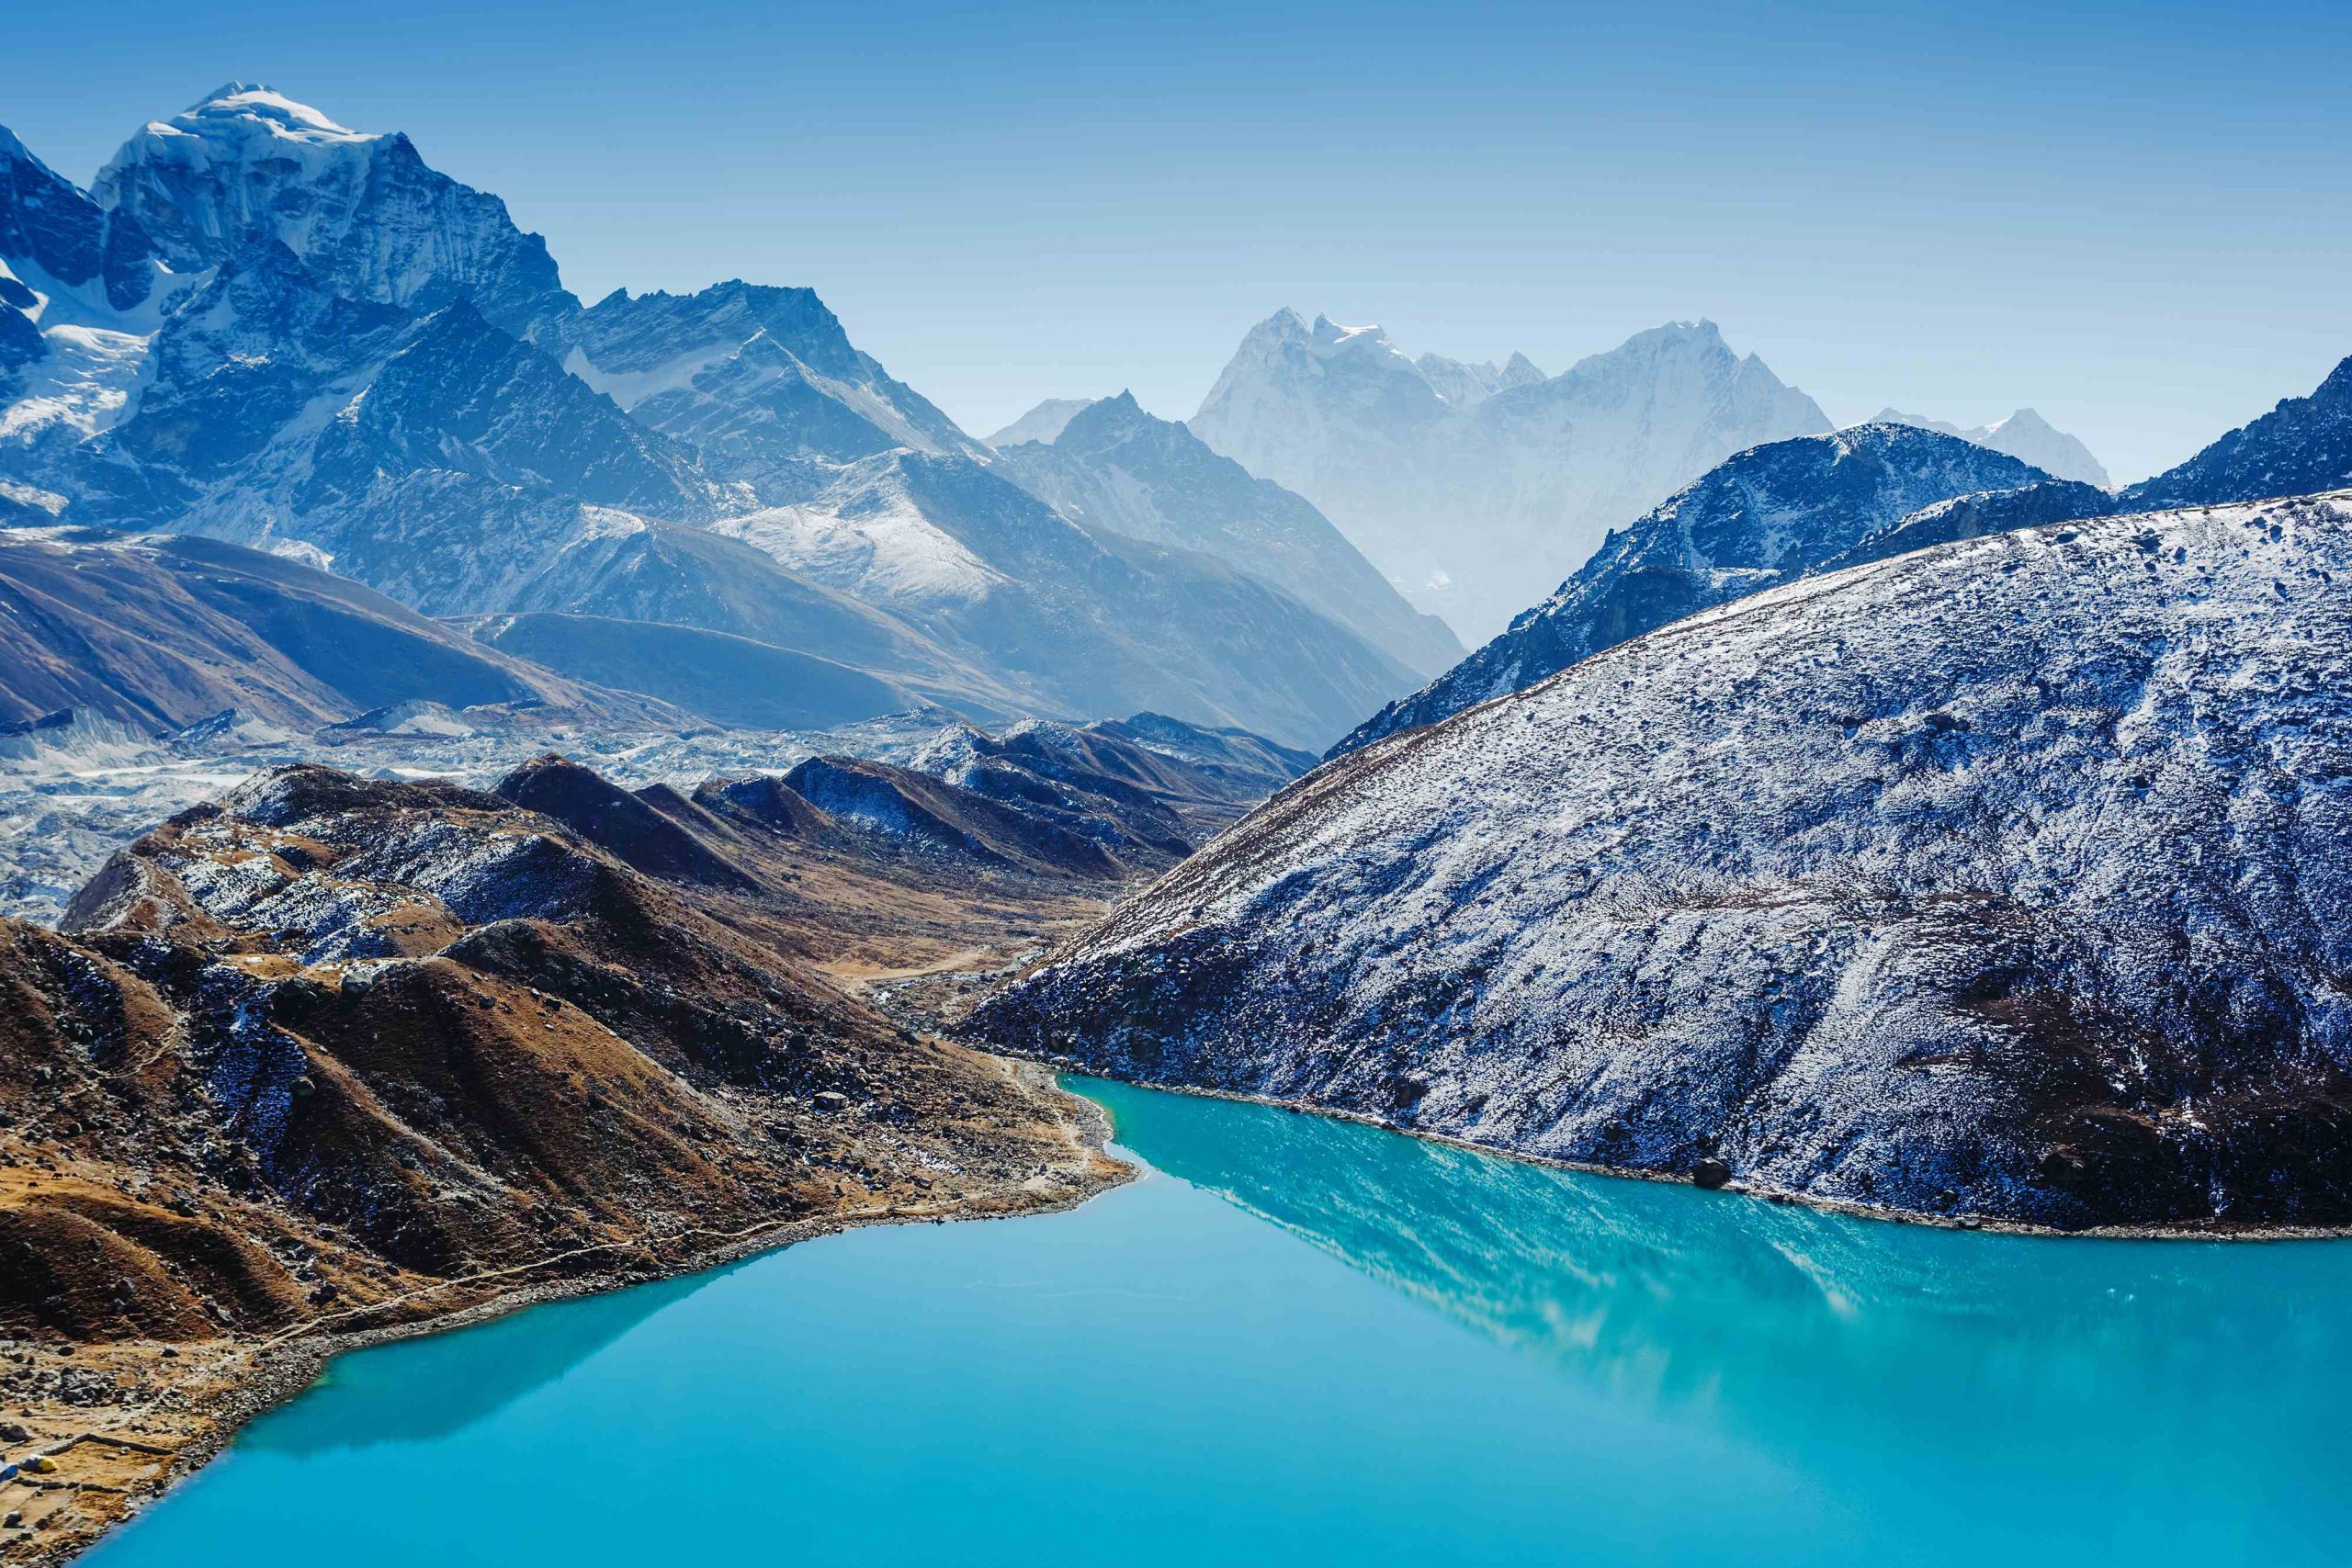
[1310, 1344]
[362, 1403]
[1779, 1317]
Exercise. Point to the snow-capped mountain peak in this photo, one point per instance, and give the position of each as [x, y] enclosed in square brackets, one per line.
[1329, 334]
[362, 210]
[1765, 515]
[238, 113]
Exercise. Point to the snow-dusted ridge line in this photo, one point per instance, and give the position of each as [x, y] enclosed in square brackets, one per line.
[1760, 517]
[2008, 878]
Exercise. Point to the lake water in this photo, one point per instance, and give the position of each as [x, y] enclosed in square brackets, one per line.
[1302, 1342]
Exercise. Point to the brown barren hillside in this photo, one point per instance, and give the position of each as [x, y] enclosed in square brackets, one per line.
[335, 1058]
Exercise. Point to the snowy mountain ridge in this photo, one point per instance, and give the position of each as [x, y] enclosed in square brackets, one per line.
[362, 363]
[2007, 878]
[1762, 517]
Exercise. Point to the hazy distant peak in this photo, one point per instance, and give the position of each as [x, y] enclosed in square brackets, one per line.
[1045, 423]
[2024, 434]
[2024, 419]
[1106, 420]
[1520, 371]
[1897, 416]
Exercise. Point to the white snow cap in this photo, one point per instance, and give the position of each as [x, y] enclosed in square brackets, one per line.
[242, 111]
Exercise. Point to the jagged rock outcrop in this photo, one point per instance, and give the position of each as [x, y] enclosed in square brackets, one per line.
[2008, 878]
[53, 234]
[79, 288]
[276, 409]
[762, 380]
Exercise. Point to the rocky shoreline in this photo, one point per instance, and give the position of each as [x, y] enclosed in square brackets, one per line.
[1758, 1192]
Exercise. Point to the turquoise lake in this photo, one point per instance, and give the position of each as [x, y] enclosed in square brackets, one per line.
[1302, 1342]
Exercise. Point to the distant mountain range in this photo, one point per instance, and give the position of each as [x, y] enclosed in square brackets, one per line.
[1113, 468]
[1475, 489]
[1818, 503]
[263, 327]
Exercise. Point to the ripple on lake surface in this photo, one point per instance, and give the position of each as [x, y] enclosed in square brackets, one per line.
[1302, 1342]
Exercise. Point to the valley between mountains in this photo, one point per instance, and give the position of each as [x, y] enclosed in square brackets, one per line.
[503, 797]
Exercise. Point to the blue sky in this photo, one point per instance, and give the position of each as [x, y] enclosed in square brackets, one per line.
[2137, 219]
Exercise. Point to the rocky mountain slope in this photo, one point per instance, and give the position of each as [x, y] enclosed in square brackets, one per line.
[1763, 517]
[1147, 771]
[1115, 468]
[2301, 447]
[1071, 619]
[79, 289]
[2003, 879]
[761, 381]
[728, 680]
[1474, 509]
[334, 1056]
[163, 629]
[2025, 435]
[1044, 423]
[389, 446]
